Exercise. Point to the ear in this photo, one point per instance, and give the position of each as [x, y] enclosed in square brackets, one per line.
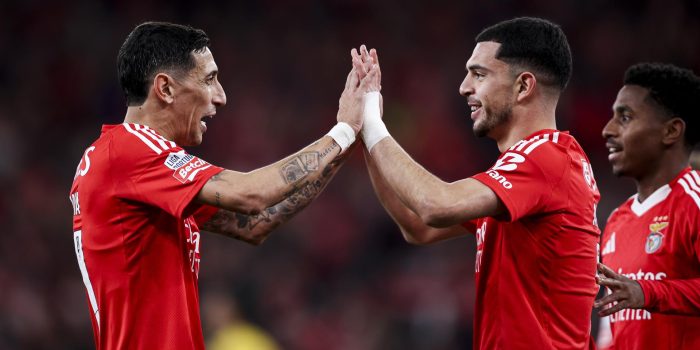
[674, 130]
[163, 87]
[525, 85]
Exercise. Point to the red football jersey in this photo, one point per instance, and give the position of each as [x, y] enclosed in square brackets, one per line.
[535, 268]
[657, 243]
[136, 238]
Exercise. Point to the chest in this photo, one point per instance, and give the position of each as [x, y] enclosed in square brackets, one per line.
[652, 246]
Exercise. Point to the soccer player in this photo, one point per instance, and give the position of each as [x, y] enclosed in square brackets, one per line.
[533, 211]
[139, 199]
[651, 243]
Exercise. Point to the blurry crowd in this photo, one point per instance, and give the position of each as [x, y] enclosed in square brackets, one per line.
[339, 275]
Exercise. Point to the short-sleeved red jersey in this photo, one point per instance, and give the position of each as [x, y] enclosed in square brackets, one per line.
[535, 268]
[657, 243]
[136, 238]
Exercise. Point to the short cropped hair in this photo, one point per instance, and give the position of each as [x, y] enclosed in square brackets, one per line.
[534, 44]
[675, 89]
[154, 47]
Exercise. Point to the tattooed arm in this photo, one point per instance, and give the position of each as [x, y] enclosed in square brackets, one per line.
[251, 193]
[254, 229]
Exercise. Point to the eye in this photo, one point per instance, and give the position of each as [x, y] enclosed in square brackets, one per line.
[625, 118]
[479, 75]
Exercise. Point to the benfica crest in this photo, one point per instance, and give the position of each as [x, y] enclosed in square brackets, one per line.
[655, 238]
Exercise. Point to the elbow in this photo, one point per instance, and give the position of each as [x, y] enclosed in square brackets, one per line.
[413, 238]
[255, 238]
[256, 241]
[434, 215]
[249, 204]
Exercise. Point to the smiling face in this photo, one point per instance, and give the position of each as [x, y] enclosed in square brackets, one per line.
[635, 132]
[488, 88]
[197, 95]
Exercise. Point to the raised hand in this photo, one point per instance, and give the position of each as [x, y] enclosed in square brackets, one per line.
[626, 292]
[363, 61]
[351, 102]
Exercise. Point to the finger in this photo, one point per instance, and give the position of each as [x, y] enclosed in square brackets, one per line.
[608, 272]
[359, 69]
[610, 298]
[352, 79]
[375, 59]
[357, 61]
[370, 83]
[611, 310]
[610, 283]
[365, 54]
[374, 55]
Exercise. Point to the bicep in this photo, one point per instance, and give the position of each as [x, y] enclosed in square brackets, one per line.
[469, 199]
[228, 190]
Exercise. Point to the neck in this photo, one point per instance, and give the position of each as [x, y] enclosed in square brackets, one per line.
[525, 121]
[669, 166]
[154, 118]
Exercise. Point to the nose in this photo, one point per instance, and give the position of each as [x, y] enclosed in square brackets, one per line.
[609, 129]
[466, 88]
[219, 98]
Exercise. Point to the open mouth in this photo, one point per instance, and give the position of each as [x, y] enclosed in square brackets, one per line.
[474, 107]
[614, 150]
[203, 123]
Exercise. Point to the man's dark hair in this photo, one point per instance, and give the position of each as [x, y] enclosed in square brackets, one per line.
[153, 47]
[675, 89]
[535, 44]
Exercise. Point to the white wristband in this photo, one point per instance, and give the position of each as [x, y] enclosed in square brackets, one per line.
[373, 128]
[343, 134]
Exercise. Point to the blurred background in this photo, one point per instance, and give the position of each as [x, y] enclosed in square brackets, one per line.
[339, 275]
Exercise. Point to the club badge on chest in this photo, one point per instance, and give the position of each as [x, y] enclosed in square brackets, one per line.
[655, 239]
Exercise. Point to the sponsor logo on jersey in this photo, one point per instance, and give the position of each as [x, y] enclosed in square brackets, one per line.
[188, 171]
[508, 162]
[655, 239]
[500, 178]
[177, 160]
[643, 276]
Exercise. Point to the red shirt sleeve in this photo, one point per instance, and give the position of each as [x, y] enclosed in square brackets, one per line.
[169, 179]
[525, 182]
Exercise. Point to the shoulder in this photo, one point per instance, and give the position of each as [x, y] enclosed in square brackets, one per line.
[136, 147]
[688, 187]
[139, 140]
[546, 152]
[621, 210]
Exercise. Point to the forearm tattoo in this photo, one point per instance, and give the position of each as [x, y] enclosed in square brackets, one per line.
[243, 226]
[300, 166]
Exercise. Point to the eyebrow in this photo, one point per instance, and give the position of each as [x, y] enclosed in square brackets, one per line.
[212, 73]
[622, 108]
[477, 66]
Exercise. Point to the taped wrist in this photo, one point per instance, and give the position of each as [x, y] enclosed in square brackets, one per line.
[373, 128]
[343, 135]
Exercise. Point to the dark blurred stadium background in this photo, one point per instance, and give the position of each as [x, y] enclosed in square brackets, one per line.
[338, 276]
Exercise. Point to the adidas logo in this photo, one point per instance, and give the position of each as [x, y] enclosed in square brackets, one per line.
[609, 245]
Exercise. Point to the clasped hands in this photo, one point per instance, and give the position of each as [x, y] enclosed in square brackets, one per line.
[361, 102]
